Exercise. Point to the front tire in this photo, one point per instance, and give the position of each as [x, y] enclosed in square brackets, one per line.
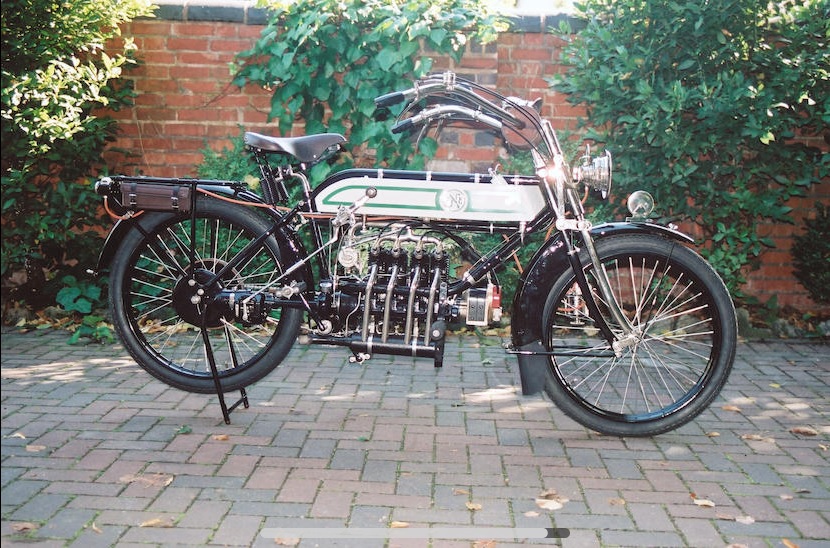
[675, 363]
[150, 298]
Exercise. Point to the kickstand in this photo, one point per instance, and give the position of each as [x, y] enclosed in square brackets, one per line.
[243, 398]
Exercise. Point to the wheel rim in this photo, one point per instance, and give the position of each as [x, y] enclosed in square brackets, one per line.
[664, 364]
[158, 297]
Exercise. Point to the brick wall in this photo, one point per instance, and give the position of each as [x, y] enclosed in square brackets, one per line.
[186, 102]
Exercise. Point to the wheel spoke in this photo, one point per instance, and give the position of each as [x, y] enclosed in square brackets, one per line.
[156, 299]
[665, 359]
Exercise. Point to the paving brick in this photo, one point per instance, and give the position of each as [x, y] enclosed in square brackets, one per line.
[266, 477]
[641, 538]
[329, 444]
[380, 470]
[174, 500]
[650, 517]
[238, 465]
[205, 514]
[811, 525]
[698, 532]
[167, 536]
[66, 523]
[40, 507]
[237, 530]
[331, 504]
[99, 537]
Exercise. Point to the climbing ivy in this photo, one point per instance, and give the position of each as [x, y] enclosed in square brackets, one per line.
[326, 60]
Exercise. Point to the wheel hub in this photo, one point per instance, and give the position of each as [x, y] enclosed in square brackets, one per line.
[191, 298]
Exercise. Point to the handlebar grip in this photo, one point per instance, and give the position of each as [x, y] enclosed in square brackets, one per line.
[403, 125]
[389, 99]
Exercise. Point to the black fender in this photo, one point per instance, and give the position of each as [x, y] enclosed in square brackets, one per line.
[291, 247]
[537, 279]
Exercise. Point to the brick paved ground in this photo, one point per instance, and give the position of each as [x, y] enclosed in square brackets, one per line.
[96, 453]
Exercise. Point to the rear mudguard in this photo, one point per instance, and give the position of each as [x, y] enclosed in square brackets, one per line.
[542, 271]
[291, 247]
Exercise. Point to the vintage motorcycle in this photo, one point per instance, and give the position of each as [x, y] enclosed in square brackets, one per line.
[626, 328]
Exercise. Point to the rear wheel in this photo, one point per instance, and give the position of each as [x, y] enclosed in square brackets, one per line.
[158, 314]
[677, 358]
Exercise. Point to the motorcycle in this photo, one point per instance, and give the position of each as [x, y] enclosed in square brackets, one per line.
[622, 324]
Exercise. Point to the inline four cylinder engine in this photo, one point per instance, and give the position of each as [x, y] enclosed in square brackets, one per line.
[391, 292]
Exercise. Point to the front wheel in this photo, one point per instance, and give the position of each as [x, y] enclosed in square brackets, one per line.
[154, 285]
[674, 361]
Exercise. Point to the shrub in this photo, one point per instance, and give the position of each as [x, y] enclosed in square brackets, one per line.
[54, 74]
[811, 255]
[702, 104]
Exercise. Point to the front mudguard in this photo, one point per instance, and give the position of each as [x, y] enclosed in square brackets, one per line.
[541, 272]
[291, 247]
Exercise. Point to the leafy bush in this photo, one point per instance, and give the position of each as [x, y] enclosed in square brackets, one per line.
[54, 74]
[326, 61]
[229, 164]
[702, 104]
[811, 255]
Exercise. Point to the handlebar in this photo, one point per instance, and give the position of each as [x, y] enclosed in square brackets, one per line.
[449, 96]
[447, 83]
[446, 111]
[390, 99]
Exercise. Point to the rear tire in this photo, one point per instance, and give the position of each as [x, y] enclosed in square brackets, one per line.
[151, 308]
[680, 358]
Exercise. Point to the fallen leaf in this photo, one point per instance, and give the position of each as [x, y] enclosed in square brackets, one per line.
[788, 543]
[472, 506]
[757, 437]
[746, 520]
[713, 434]
[736, 545]
[35, 448]
[616, 502]
[460, 492]
[531, 514]
[221, 437]
[399, 524]
[549, 504]
[96, 528]
[24, 527]
[286, 541]
[734, 408]
[802, 491]
[18, 435]
[148, 480]
[804, 430]
[785, 497]
[484, 544]
[823, 447]
[157, 522]
[704, 502]
[184, 429]
[774, 385]
[550, 500]
[727, 517]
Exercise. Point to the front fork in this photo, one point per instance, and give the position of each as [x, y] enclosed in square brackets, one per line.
[629, 333]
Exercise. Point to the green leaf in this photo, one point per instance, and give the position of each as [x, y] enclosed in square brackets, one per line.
[386, 59]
